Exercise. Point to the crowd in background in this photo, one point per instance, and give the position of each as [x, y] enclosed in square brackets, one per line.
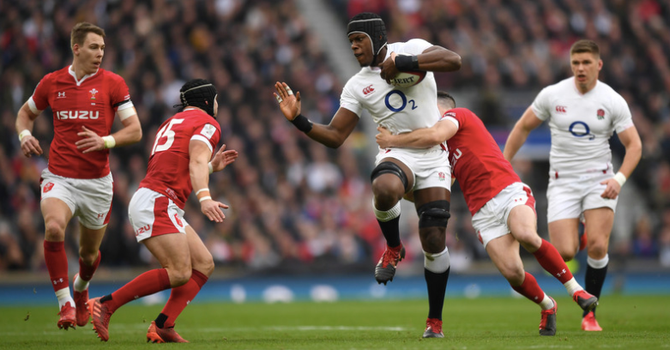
[295, 204]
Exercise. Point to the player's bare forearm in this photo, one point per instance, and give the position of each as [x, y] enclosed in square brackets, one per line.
[519, 134]
[420, 138]
[130, 133]
[25, 121]
[438, 59]
[198, 166]
[631, 141]
[327, 135]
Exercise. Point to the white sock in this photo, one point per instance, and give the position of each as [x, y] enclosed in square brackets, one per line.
[598, 264]
[79, 284]
[64, 297]
[546, 302]
[572, 286]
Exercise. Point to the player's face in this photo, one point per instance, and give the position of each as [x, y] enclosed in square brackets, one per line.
[216, 106]
[362, 48]
[585, 67]
[89, 54]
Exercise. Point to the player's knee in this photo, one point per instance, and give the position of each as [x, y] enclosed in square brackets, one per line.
[598, 249]
[205, 265]
[390, 188]
[513, 273]
[433, 239]
[88, 257]
[54, 230]
[179, 276]
[567, 255]
[386, 194]
[434, 214]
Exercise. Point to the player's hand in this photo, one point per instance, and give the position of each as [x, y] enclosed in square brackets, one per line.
[384, 137]
[90, 142]
[612, 190]
[223, 158]
[288, 102]
[212, 209]
[30, 146]
[389, 70]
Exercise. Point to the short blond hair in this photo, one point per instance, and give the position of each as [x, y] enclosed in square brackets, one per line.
[81, 29]
[585, 46]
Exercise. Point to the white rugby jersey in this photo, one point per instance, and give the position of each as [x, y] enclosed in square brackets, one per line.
[581, 125]
[396, 109]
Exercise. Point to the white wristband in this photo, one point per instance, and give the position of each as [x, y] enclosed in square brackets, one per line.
[109, 140]
[205, 198]
[200, 190]
[211, 168]
[23, 134]
[620, 178]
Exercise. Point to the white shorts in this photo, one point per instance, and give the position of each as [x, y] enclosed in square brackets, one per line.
[490, 221]
[153, 214]
[88, 199]
[569, 196]
[430, 168]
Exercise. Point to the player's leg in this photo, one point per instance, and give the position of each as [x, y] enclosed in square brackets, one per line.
[390, 180]
[564, 235]
[522, 224]
[57, 214]
[94, 200]
[202, 264]
[432, 206]
[564, 199]
[504, 252]
[599, 224]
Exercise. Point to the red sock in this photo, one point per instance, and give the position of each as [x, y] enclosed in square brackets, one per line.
[85, 271]
[56, 260]
[550, 259]
[530, 289]
[181, 296]
[150, 282]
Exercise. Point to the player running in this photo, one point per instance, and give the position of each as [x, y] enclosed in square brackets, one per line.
[84, 99]
[502, 207]
[178, 164]
[583, 112]
[398, 171]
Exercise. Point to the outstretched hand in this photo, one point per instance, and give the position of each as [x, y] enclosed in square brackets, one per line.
[212, 209]
[223, 158]
[288, 102]
[384, 137]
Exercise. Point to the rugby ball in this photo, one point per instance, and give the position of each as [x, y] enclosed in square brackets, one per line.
[407, 79]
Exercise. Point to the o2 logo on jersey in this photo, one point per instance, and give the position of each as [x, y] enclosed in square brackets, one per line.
[581, 129]
[403, 99]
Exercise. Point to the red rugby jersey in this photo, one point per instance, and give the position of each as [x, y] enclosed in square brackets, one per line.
[168, 171]
[476, 160]
[90, 102]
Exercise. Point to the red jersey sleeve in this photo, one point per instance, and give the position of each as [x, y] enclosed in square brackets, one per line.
[41, 94]
[120, 94]
[208, 132]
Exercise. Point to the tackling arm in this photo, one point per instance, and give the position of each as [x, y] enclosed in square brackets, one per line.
[517, 137]
[631, 140]
[420, 138]
[438, 59]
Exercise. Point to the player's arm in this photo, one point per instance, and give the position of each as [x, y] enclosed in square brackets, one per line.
[130, 133]
[631, 141]
[199, 154]
[438, 59]
[25, 120]
[420, 138]
[517, 137]
[331, 135]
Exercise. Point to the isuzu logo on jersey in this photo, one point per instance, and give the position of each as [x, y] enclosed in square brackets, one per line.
[368, 90]
[61, 115]
[561, 109]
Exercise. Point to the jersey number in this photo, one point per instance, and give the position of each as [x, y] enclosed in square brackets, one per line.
[404, 101]
[166, 132]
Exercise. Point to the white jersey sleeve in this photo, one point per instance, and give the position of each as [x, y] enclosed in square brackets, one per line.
[348, 99]
[622, 117]
[541, 104]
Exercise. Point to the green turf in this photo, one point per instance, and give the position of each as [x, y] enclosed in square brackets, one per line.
[490, 323]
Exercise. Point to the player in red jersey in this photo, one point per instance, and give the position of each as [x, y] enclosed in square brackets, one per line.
[84, 99]
[178, 164]
[502, 207]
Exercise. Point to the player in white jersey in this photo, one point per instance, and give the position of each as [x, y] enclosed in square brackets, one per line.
[398, 171]
[583, 112]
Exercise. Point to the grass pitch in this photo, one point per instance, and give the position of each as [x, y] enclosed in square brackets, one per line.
[641, 322]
